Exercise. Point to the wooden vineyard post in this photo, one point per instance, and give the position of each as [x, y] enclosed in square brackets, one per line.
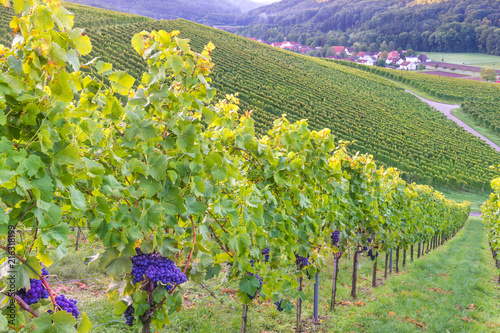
[244, 318]
[390, 263]
[374, 277]
[442, 238]
[354, 274]
[397, 260]
[404, 257]
[386, 260]
[418, 250]
[77, 239]
[335, 274]
[316, 298]
[411, 249]
[298, 328]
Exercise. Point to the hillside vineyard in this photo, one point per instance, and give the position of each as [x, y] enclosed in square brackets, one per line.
[376, 116]
[478, 99]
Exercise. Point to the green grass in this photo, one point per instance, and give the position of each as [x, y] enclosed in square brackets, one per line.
[476, 199]
[471, 59]
[463, 267]
[460, 114]
[466, 299]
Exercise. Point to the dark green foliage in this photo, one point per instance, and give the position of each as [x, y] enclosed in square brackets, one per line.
[440, 26]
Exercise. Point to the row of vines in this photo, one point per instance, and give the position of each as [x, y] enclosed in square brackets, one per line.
[491, 216]
[364, 109]
[173, 184]
[478, 99]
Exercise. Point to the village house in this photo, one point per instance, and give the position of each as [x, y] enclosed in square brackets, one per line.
[408, 66]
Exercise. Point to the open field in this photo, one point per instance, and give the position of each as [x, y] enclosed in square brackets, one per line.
[476, 199]
[446, 74]
[472, 59]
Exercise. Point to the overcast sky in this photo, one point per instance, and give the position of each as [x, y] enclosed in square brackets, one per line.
[266, 1]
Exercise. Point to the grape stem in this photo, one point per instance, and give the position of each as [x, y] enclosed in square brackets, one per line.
[46, 285]
[22, 304]
[15, 254]
[192, 249]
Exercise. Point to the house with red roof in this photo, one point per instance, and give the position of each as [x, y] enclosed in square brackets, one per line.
[393, 54]
[338, 49]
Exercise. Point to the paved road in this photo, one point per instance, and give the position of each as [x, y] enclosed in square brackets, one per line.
[446, 110]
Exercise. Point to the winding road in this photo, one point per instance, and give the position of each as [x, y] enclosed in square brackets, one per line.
[446, 110]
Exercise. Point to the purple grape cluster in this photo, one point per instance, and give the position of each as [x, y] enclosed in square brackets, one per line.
[278, 305]
[260, 281]
[34, 293]
[301, 261]
[265, 253]
[156, 269]
[68, 305]
[129, 316]
[371, 255]
[335, 237]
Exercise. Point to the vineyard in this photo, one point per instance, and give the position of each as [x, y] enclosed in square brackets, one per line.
[364, 109]
[478, 99]
[177, 186]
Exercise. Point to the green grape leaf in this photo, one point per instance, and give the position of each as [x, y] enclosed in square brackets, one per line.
[63, 322]
[43, 18]
[78, 200]
[73, 60]
[22, 5]
[81, 41]
[85, 325]
[121, 82]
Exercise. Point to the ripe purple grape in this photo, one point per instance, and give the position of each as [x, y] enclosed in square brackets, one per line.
[265, 252]
[335, 237]
[301, 261]
[371, 255]
[35, 292]
[156, 268]
[278, 305]
[129, 315]
[260, 281]
[68, 305]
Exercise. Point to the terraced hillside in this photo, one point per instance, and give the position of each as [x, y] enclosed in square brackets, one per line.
[479, 99]
[378, 117]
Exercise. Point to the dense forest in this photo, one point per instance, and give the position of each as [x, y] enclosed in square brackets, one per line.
[426, 25]
[203, 11]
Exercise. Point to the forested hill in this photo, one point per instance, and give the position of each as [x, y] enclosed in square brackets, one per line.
[426, 25]
[203, 11]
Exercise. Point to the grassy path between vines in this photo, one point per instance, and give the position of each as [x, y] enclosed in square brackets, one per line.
[452, 289]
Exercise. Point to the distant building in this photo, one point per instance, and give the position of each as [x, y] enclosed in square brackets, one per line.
[393, 54]
[338, 49]
[413, 60]
[408, 66]
[423, 58]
